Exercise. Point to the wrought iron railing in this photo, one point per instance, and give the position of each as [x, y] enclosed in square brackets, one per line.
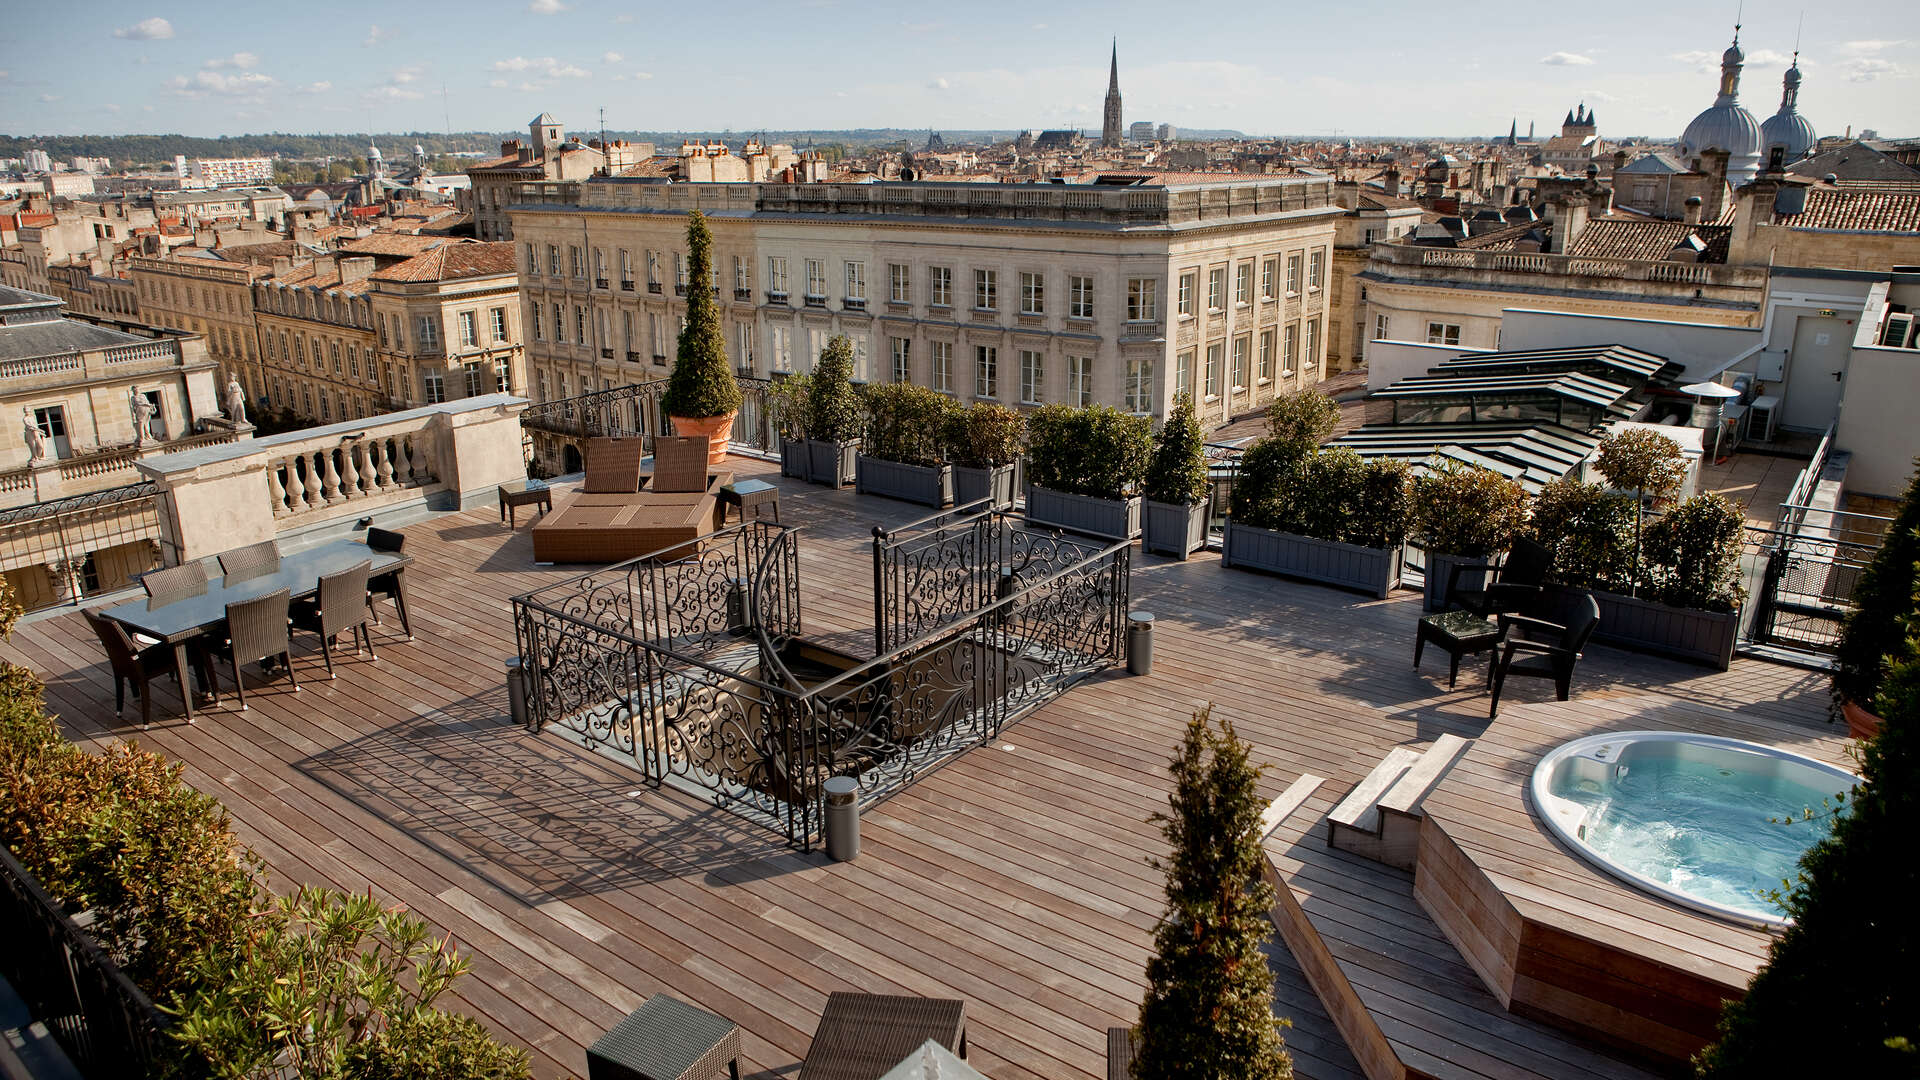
[107, 1026]
[690, 668]
[1800, 586]
[635, 412]
[65, 550]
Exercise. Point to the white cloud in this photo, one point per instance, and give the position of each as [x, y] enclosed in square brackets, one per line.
[242, 61]
[146, 108]
[611, 58]
[392, 93]
[154, 29]
[643, 74]
[204, 83]
[515, 63]
[403, 76]
[546, 7]
[1868, 48]
[1695, 56]
[1565, 59]
[1869, 68]
[375, 36]
[48, 99]
[110, 107]
[939, 84]
[1768, 58]
[1039, 26]
[623, 20]
[529, 88]
[497, 84]
[320, 87]
[569, 71]
[1600, 96]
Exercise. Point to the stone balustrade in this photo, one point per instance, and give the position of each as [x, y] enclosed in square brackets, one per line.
[59, 478]
[440, 457]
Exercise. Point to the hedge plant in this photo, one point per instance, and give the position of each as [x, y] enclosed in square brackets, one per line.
[702, 382]
[1646, 463]
[985, 435]
[1882, 597]
[833, 405]
[906, 424]
[1590, 532]
[1300, 420]
[1097, 451]
[787, 405]
[1178, 472]
[1208, 1010]
[1465, 510]
[1692, 555]
[1331, 494]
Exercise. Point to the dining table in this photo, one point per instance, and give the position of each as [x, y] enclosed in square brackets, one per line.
[178, 619]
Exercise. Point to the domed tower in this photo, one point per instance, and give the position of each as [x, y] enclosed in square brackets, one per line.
[1787, 129]
[1726, 124]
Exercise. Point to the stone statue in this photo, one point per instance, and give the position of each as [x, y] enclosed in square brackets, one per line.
[142, 410]
[236, 401]
[36, 439]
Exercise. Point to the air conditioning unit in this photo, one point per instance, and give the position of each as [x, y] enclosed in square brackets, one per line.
[1762, 414]
[1897, 331]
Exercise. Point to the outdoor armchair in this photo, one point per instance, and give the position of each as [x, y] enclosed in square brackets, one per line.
[1538, 649]
[1512, 585]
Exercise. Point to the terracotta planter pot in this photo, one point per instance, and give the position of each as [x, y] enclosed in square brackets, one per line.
[1861, 724]
[717, 429]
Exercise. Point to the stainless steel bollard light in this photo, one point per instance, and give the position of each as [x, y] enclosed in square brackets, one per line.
[516, 691]
[1140, 642]
[843, 818]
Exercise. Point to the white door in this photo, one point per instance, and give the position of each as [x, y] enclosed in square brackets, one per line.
[1816, 371]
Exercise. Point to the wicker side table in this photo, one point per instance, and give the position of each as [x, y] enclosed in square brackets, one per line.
[862, 1036]
[666, 1039]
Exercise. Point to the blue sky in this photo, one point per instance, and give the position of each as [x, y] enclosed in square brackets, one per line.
[1353, 68]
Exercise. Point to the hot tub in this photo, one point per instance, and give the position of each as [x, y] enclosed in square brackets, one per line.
[1692, 818]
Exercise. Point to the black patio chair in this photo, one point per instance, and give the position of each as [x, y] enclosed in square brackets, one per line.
[251, 560]
[340, 607]
[132, 665]
[257, 630]
[386, 585]
[1538, 649]
[1512, 585]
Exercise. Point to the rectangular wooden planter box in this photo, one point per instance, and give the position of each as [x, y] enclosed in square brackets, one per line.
[793, 458]
[1374, 571]
[1174, 528]
[972, 485]
[831, 463]
[1701, 637]
[927, 485]
[1084, 513]
[1440, 568]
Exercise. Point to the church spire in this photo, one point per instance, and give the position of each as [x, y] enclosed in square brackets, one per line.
[1111, 133]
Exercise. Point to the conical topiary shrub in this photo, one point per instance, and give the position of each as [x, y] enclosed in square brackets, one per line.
[702, 395]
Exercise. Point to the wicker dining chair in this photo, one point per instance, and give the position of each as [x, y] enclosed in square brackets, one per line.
[341, 607]
[257, 630]
[252, 560]
[386, 585]
[132, 665]
[182, 580]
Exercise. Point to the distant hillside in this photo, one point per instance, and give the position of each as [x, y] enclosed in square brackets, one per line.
[160, 149]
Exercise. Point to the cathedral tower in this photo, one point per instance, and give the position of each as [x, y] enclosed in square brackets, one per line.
[1111, 133]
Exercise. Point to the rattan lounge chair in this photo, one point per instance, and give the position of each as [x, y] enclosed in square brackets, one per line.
[609, 521]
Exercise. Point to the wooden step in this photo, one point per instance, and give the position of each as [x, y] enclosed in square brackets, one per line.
[1400, 807]
[1281, 808]
[1359, 811]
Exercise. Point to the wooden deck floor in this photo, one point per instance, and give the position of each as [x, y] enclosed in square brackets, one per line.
[1015, 878]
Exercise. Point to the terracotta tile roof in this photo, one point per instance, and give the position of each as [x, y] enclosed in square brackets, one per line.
[1501, 239]
[454, 262]
[1861, 211]
[653, 166]
[317, 276]
[405, 245]
[1652, 241]
[259, 253]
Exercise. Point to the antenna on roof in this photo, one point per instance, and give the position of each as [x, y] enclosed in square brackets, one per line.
[1739, 14]
[446, 112]
[1797, 26]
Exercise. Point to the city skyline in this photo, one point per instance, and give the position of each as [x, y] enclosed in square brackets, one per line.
[173, 69]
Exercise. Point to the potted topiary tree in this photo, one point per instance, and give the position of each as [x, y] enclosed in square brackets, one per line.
[901, 453]
[1874, 638]
[1176, 486]
[833, 416]
[1084, 468]
[983, 441]
[1462, 514]
[787, 409]
[702, 395]
[1646, 463]
[1208, 1010]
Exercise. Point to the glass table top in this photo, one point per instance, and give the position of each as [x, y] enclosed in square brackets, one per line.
[174, 614]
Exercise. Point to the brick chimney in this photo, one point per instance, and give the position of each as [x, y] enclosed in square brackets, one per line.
[1714, 164]
[355, 269]
[1693, 204]
[1391, 178]
[282, 265]
[1569, 214]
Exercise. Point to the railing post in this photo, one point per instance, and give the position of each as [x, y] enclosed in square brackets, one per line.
[880, 578]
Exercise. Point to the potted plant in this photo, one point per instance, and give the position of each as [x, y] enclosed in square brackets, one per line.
[1646, 463]
[1176, 486]
[983, 440]
[787, 409]
[702, 395]
[1084, 468]
[901, 455]
[1331, 516]
[1877, 634]
[1462, 514]
[833, 416]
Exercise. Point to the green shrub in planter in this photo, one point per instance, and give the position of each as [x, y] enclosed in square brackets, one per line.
[1327, 495]
[833, 405]
[906, 423]
[985, 436]
[1692, 555]
[1882, 597]
[1178, 473]
[1646, 463]
[1590, 532]
[787, 405]
[1299, 421]
[1097, 451]
[702, 383]
[1460, 509]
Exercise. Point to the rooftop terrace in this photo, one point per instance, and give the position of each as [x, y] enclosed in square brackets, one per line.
[1015, 877]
